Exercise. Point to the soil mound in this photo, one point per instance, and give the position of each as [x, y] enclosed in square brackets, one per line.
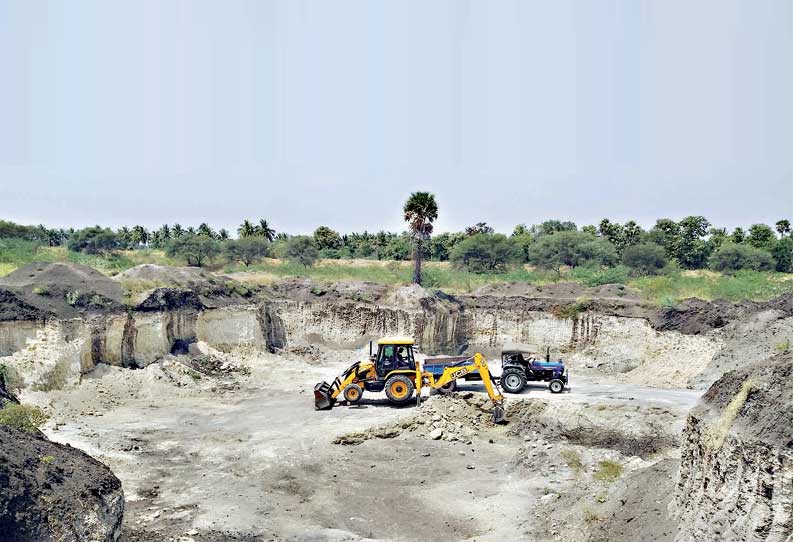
[49, 491]
[563, 291]
[302, 289]
[695, 316]
[157, 287]
[64, 290]
[13, 307]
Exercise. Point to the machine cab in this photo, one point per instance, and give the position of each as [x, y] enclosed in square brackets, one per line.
[394, 354]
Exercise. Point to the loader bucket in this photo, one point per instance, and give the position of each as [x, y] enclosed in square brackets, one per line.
[322, 396]
[498, 413]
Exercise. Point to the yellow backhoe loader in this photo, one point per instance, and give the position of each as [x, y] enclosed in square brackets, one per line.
[395, 371]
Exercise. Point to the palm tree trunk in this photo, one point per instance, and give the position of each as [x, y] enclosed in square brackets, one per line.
[418, 262]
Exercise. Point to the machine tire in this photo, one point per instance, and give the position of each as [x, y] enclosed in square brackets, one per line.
[514, 380]
[449, 387]
[353, 393]
[556, 386]
[399, 389]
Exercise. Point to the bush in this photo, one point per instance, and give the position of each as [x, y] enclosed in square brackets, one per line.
[196, 250]
[732, 257]
[485, 253]
[573, 249]
[25, 417]
[247, 250]
[645, 259]
[301, 250]
[94, 240]
[326, 238]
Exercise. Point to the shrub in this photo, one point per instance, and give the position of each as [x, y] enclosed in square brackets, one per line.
[196, 250]
[94, 240]
[732, 257]
[25, 417]
[645, 259]
[608, 471]
[247, 250]
[301, 250]
[485, 253]
[326, 238]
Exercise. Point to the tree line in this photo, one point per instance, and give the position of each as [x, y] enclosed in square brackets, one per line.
[691, 243]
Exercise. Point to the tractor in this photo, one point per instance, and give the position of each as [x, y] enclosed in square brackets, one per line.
[394, 371]
[521, 366]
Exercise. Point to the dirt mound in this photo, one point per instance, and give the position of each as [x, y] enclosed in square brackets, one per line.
[49, 491]
[157, 287]
[302, 289]
[13, 307]
[64, 290]
[695, 316]
[559, 291]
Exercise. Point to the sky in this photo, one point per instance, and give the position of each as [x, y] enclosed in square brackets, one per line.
[332, 112]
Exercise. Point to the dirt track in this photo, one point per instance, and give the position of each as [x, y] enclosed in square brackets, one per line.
[257, 462]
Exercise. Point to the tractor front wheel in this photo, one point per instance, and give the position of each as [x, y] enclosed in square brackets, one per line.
[352, 393]
[556, 386]
[399, 389]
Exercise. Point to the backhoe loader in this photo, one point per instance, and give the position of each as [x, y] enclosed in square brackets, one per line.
[394, 370]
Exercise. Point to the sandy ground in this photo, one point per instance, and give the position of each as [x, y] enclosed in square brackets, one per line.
[248, 458]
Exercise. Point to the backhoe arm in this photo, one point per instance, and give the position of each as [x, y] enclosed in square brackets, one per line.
[479, 364]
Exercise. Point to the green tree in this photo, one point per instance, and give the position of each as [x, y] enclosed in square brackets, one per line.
[666, 233]
[125, 237]
[223, 234]
[783, 227]
[782, 254]
[478, 228]
[485, 253]
[717, 237]
[205, 230]
[196, 250]
[140, 235]
[326, 238]
[264, 230]
[246, 229]
[177, 231]
[246, 250]
[592, 230]
[550, 227]
[95, 240]
[520, 229]
[738, 236]
[691, 250]
[420, 211]
[732, 257]
[301, 249]
[573, 249]
[645, 258]
[761, 236]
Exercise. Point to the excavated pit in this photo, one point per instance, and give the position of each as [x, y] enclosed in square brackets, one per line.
[214, 436]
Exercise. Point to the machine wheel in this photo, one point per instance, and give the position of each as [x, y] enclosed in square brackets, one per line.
[514, 380]
[556, 385]
[399, 389]
[448, 387]
[352, 393]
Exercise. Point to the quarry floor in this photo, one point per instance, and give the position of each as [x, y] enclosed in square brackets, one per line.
[248, 458]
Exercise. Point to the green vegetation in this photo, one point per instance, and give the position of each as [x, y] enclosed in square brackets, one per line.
[608, 471]
[47, 459]
[420, 211]
[645, 259]
[301, 250]
[246, 250]
[196, 250]
[732, 257]
[485, 253]
[671, 288]
[25, 417]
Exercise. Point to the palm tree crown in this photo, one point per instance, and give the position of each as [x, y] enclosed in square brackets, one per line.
[264, 230]
[420, 211]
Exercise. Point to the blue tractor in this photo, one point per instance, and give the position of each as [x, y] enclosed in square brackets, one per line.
[521, 366]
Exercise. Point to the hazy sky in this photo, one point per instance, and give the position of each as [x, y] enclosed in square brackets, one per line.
[332, 112]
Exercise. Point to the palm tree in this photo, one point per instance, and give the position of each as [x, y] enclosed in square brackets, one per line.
[783, 227]
[223, 234]
[140, 235]
[190, 230]
[264, 230]
[246, 229]
[420, 211]
[205, 230]
[165, 233]
[177, 230]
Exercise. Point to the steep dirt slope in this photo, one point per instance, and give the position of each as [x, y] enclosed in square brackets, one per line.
[735, 480]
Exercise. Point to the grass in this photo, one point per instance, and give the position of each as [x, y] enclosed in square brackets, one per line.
[25, 417]
[664, 290]
[716, 434]
[573, 459]
[608, 471]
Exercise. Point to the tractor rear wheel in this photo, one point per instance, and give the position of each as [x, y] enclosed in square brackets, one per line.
[399, 389]
[352, 393]
[514, 380]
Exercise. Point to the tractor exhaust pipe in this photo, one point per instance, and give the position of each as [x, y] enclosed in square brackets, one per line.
[322, 396]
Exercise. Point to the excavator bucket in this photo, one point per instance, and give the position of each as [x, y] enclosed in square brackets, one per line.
[498, 413]
[322, 396]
